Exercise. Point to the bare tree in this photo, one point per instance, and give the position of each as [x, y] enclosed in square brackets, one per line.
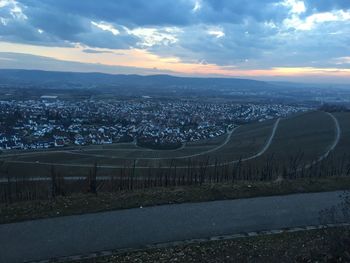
[93, 179]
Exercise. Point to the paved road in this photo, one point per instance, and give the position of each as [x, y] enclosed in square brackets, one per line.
[133, 228]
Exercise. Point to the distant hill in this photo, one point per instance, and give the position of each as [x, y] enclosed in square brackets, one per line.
[21, 83]
[30, 78]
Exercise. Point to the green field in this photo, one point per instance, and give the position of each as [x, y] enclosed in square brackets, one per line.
[343, 147]
[309, 135]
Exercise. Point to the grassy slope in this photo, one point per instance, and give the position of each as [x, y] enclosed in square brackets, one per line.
[245, 141]
[344, 144]
[77, 204]
[310, 133]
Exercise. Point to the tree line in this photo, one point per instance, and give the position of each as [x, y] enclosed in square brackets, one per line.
[130, 178]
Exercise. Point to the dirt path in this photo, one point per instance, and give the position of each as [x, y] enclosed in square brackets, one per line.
[333, 144]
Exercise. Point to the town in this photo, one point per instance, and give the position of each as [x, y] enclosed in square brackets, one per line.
[50, 122]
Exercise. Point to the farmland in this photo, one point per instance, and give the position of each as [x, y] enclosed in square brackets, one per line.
[309, 134]
[306, 137]
[311, 144]
[344, 142]
[234, 144]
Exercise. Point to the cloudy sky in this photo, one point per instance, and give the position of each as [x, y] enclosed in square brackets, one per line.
[305, 40]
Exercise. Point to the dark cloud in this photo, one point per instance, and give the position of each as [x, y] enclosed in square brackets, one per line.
[103, 39]
[126, 12]
[238, 11]
[242, 33]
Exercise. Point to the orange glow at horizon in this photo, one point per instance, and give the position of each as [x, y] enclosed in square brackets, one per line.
[143, 59]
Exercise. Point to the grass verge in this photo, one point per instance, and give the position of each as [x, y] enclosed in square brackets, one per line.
[89, 203]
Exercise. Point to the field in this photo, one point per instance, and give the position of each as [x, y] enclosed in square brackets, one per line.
[243, 141]
[302, 140]
[307, 136]
[308, 145]
[343, 146]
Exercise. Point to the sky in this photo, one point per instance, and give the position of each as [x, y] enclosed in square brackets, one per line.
[302, 40]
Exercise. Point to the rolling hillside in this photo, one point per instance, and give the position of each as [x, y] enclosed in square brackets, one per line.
[308, 136]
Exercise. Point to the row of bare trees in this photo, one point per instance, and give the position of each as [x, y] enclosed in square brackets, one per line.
[128, 178]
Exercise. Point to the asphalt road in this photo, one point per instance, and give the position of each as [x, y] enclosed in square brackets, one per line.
[134, 228]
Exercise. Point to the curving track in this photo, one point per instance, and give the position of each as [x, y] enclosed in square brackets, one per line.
[261, 152]
[228, 138]
[256, 155]
[333, 144]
